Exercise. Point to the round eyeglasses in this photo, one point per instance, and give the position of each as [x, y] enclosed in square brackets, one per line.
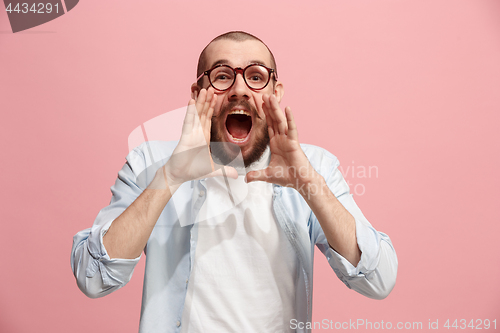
[222, 77]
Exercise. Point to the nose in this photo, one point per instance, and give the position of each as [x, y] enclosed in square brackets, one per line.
[239, 88]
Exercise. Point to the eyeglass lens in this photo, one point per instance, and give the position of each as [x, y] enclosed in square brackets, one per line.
[256, 77]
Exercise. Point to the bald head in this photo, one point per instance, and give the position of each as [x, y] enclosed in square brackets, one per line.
[237, 36]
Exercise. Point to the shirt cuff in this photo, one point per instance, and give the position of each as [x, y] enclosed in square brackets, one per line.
[369, 244]
[113, 271]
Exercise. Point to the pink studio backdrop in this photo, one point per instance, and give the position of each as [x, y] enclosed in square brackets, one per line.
[408, 91]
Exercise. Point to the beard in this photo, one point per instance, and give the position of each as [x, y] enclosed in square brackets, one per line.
[224, 152]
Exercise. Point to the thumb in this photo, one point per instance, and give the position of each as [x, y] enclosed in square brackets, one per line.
[258, 175]
[230, 172]
[223, 170]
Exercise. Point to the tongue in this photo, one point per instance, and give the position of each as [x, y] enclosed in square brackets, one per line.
[238, 126]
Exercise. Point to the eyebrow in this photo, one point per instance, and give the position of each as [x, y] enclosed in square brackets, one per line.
[227, 62]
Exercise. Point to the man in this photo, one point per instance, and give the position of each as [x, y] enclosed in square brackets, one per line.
[229, 228]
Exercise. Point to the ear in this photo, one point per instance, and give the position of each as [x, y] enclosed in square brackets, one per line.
[195, 90]
[279, 91]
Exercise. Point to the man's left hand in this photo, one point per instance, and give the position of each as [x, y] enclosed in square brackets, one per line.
[289, 165]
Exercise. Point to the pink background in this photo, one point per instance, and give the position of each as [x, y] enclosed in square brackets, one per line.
[409, 87]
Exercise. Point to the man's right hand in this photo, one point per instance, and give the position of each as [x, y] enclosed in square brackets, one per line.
[191, 158]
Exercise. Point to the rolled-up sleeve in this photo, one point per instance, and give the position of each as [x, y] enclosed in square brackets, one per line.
[96, 274]
[375, 274]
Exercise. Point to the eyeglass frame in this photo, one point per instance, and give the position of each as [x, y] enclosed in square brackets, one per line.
[240, 71]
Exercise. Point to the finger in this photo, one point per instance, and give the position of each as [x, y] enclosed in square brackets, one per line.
[206, 107]
[189, 119]
[271, 115]
[265, 108]
[208, 100]
[207, 125]
[271, 131]
[257, 175]
[201, 108]
[278, 115]
[292, 127]
[199, 102]
[228, 172]
[269, 119]
[201, 99]
[211, 108]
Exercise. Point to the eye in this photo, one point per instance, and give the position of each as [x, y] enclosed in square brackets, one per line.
[255, 78]
[256, 74]
[221, 75]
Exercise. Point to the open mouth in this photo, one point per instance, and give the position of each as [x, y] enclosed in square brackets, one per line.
[239, 126]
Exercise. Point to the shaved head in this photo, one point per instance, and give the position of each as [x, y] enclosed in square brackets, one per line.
[238, 36]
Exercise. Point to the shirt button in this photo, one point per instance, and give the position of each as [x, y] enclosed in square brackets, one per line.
[187, 280]
[202, 193]
[178, 323]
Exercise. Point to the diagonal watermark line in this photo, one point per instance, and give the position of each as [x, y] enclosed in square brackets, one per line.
[63, 3]
[228, 187]
[147, 144]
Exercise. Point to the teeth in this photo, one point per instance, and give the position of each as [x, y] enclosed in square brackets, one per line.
[236, 139]
[240, 112]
